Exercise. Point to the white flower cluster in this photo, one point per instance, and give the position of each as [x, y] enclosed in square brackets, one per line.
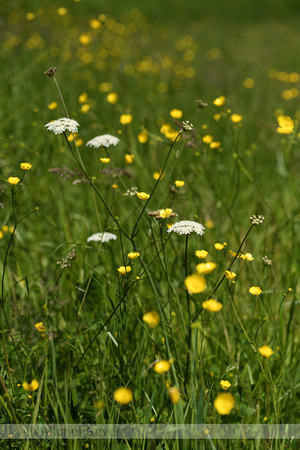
[102, 237]
[257, 220]
[60, 125]
[103, 141]
[187, 126]
[187, 227]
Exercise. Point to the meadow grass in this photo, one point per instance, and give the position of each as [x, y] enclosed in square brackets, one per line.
[74, 327]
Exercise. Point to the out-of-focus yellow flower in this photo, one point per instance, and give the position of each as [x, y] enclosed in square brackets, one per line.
[143, 195]
[215, 145]
[224, 403]
[84, 39]
[99, 405]
[174, 394]
[52, 105]
[255, 290]
[236, 118]
[266, 351]
[162, 366]
[195, 283]
[286, 125]
[219, 246]
[179, 183]
[125, 119]
[176, 113]
[129, 158]
[123, 395]
[207, 139]
[143, 136]
[105, 160]
[83, 97]
[219, 101]
[151, 318]
[165, 213]
[114, 186]
[105, 86]
[201, 254]
[113, 98]
[249, 83]
[13, 180]
[217, 117]
[85, 108]
[206, 268]
[133, 255]
[123, 270]
[25, 166]
[212, 305]
[62, 11]
[95, 24]
[40, 327]
[209, 224]
[230, 275]
[33, 386]
[156, 175]
[225, 384]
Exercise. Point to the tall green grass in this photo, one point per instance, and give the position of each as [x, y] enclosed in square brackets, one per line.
[93, 338]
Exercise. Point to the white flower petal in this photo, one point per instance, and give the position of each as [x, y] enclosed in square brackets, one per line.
[103, 141]
[187, 227]
[60, 125]
[102, 237]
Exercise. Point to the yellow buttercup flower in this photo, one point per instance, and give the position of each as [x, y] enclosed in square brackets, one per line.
[123, 395]
[52, 105]
[162, 366]
[247, 257]
[113, 98]
[201, 254]
[266, 351]
[123, 270]
[219, 101]
[174, 394]
[225, 384]
[151, 318]
[157, 174]
[133, 255]
[105, 160]
[195, 283]
[143, 136]
[236, 118]
[25, 166]
[286, 124]
[224, 404]
[85, 108]
[179, 183]
[215, 145]
[207, 139]
[143, 195]
[83, 97]
[165, 213]
[219, 246]
[125, 119]
[212, 305]
[230, 275]
[129, 158]
[255, 290]
[176, 113]
[206, 268]
[13, 180]
[40, 327]
[33, 386]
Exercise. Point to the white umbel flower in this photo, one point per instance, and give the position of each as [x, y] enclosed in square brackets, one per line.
[187, 227]
[102, 237]
[103, 141]
[60, 125]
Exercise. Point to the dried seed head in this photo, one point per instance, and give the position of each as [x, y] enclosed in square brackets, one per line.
[51, 72]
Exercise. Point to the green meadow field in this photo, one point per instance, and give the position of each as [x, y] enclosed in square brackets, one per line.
[150, 219]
